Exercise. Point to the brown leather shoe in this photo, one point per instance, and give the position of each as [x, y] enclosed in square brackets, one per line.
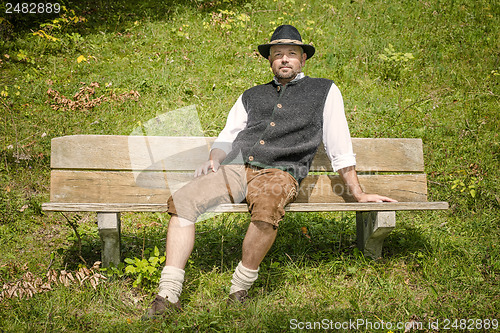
[160, 306]
[239, 297]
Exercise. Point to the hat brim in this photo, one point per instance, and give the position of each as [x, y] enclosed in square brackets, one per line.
[265, 49]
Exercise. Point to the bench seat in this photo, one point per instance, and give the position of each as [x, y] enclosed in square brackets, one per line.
[111, 174]
[242, 208]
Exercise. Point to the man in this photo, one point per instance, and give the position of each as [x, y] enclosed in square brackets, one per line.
[265, 150]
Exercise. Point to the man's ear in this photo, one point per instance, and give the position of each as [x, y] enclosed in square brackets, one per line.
[304, 57]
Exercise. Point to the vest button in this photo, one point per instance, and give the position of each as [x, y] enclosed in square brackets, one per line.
[250, 158]
[272, 123]
[262, 142]
[279, 106]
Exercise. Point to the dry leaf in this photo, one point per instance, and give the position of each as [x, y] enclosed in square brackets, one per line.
[84, 99]
[81, 58]
[70, 277]
[29, 285]
[304, 232]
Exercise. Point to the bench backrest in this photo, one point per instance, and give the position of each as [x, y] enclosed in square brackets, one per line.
[146, 169]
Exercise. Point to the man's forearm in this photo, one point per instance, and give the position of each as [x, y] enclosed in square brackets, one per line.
[350, 179]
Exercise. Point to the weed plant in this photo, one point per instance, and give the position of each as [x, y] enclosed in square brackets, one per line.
[417, 69]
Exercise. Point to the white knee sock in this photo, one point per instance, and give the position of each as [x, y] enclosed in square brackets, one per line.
[243, 278]
[171, 281]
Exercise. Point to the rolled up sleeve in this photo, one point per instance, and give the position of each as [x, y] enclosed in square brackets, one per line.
[336, 135]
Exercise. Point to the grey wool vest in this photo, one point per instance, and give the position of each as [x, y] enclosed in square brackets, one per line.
[284, 126]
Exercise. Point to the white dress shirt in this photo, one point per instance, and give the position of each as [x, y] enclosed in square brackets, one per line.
[336, 136]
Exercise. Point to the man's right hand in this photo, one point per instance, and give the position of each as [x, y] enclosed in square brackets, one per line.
[206, 167]
[213, 163]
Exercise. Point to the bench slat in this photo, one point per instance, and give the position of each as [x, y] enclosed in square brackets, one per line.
[242, 208]
[110, 152]
[399, 155]
[155, 187]
[105, 152]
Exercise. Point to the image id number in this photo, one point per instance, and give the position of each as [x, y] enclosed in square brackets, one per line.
[32, 8]
[470, 324]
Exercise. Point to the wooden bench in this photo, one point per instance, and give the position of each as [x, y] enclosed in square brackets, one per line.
[114, 174]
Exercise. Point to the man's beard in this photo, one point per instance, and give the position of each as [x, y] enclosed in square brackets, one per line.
[286, 76]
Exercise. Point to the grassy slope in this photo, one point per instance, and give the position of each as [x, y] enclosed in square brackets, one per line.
[437, 264]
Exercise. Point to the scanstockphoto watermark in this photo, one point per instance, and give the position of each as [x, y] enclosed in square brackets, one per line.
[369, 325]
[354, 324]
[167, 168]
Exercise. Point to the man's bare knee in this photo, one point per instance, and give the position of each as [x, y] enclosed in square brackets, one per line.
[265, 226]
[177, 221]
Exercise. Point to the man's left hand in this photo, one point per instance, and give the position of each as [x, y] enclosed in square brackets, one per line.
[367, 197]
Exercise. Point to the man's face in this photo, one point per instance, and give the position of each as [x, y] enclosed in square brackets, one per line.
[286, 61]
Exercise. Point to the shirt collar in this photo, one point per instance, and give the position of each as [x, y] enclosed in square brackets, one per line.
[298, 77]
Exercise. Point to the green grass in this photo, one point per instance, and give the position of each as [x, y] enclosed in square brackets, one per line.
[436, 265]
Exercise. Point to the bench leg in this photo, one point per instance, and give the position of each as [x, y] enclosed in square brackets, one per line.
[109, 230]
[372, 229]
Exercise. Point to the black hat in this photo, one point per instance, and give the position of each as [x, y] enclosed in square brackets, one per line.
[286, 35]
